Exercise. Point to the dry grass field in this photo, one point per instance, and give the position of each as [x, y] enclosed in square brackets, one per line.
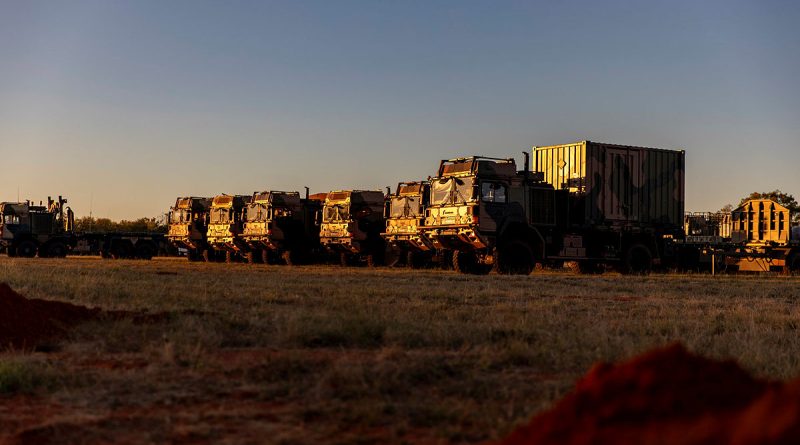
[268, 354]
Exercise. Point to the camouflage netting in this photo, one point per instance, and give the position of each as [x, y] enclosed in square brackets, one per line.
[669, 396]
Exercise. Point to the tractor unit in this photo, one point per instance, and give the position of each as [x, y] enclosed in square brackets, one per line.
[225, 227]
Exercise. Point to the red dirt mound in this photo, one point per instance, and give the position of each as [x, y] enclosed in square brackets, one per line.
[27, 323]
[669, 396]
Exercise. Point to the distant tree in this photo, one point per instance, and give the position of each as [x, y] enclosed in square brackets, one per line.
[105, 225]
[784, 199]
[727, 208]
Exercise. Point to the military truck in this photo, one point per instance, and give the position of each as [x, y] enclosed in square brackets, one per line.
[28, 230]
[225, 228]
[351, 226]
[594, 205]
[489, 215]
[404, 215]
[281, 226]
[188, 225]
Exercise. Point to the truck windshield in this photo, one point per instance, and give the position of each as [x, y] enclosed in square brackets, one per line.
[404, 206]
[220, 215]
[335, 212]
[179, 216]
[257, 212]
[452, 191]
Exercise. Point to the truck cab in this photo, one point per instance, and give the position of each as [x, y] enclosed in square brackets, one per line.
[280, 226]
[489, 214]
[405, 214]
[225, 227]
[352, 222]
[188, 225]
[27, 230]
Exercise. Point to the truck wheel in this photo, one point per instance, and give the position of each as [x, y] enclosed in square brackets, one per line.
[228, 256]
[638, 260]
[193, 255]
[145, 251]
[11, 251]
[515, 258]
[287, 257]
[344, 259]
[250, 257]
[57, 250]
[464, 262]
[265, 256]
[27, 249]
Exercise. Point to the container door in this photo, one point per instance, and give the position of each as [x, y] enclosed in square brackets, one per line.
[622, 186]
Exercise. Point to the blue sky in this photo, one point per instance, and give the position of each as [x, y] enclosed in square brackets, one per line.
[129, 104]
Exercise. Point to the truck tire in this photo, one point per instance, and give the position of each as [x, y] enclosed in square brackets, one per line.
[265, 256]
[288, 257]
[514, 258]
[208, 255]
[57, 250]
[250, 257]
[464, 262]
[145, 250]
[344, 259]
[27, 249]
[193, 255]
[228, 256]
[12, 252]
[638, 260]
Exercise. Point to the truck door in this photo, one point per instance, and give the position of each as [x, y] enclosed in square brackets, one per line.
[494, 199]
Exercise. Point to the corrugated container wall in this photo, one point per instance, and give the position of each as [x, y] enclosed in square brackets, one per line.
[617, 184]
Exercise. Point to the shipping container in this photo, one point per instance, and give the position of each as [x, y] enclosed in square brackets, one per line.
[613, 185]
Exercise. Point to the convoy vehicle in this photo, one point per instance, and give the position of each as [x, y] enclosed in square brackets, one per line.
[351, 226]
[489, 215]
[281, 226]
[593, 204]
[405, 214]
[28, 230]
[225, 227]
[188, 225]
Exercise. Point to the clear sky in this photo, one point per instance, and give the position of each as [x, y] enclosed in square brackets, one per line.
[129, 104]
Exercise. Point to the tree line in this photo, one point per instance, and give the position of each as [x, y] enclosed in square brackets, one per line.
[102, 225]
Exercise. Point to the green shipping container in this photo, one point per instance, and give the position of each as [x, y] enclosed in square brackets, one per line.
[617, 184]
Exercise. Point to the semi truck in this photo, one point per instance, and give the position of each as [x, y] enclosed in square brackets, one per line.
[281, 227]
[351, 226]
[48, 231]
[188, 225]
